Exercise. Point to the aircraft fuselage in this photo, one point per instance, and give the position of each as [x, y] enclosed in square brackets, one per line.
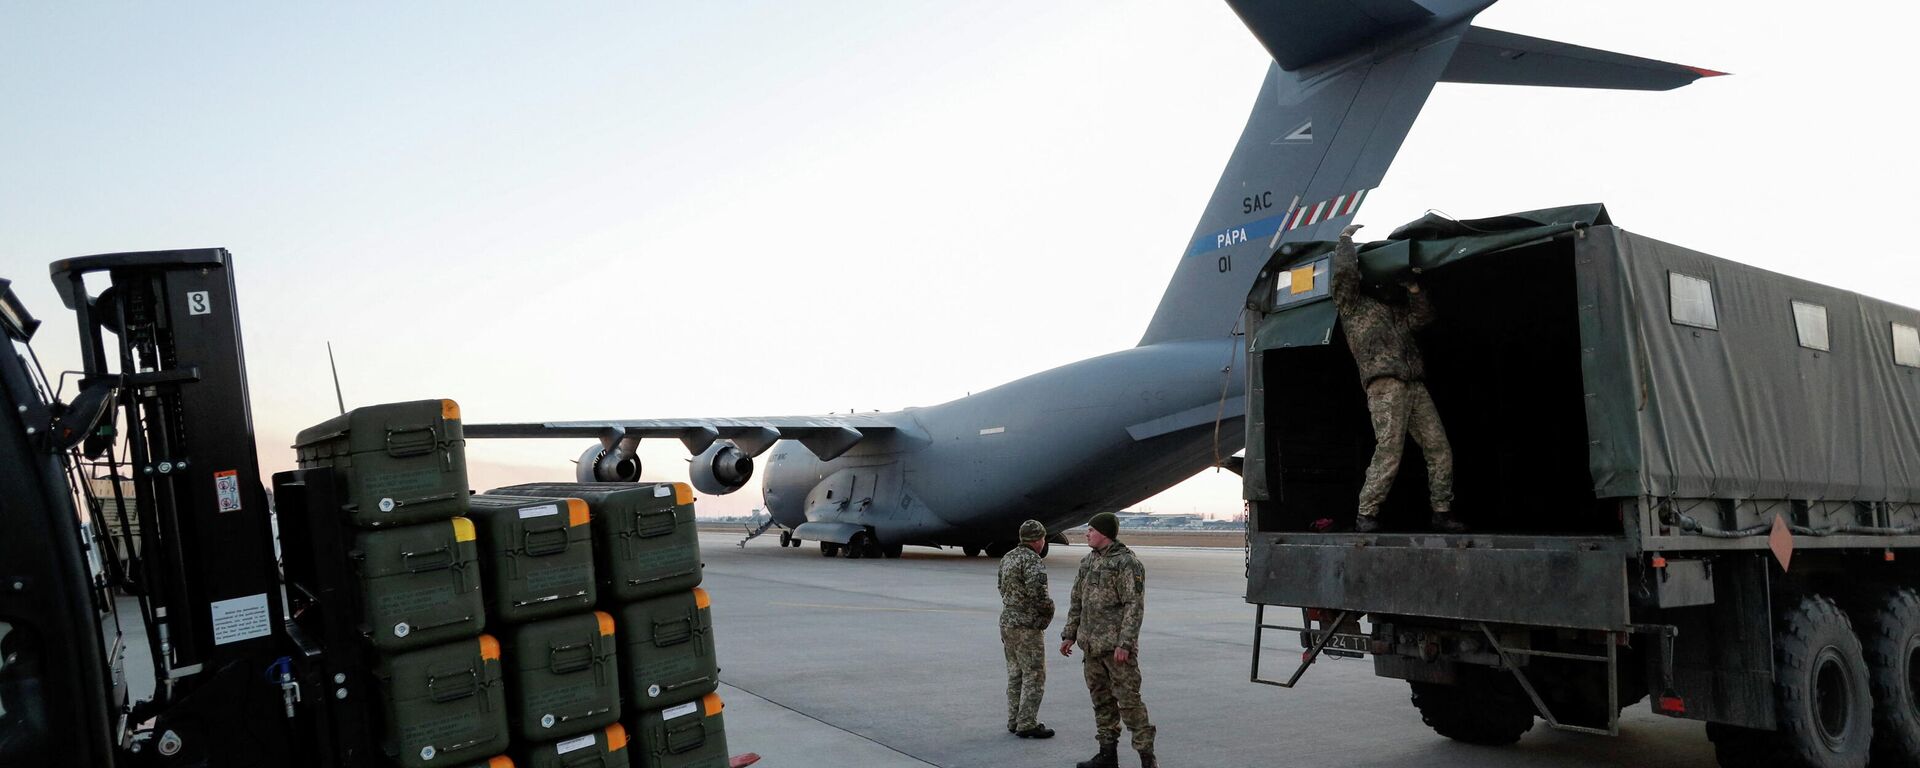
[1058, 446]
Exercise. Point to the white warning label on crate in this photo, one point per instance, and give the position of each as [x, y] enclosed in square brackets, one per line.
[662, 491]
[544, 510]
[680, 711]
[242, 618]
[226, 485]
[573, 744]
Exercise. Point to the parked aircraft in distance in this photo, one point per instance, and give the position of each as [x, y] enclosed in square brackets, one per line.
[1347, 80]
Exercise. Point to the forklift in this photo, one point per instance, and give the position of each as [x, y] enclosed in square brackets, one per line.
[133, 487]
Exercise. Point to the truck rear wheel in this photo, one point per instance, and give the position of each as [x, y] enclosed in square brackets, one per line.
[1820, 677]
[1889, 631]
[1488, 711]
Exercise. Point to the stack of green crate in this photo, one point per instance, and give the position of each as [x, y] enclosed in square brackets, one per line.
[647, 558]
[403, 474]
[562, 680]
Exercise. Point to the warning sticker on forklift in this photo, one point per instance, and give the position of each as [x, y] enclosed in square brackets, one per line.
[574, 744]
[680, 711]
[242, 618]
[544, 510]
[226, 485]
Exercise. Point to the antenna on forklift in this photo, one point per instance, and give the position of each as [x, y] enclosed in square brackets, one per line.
[337, 397]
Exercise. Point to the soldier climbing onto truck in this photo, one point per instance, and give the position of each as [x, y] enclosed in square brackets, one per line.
[1380, 334]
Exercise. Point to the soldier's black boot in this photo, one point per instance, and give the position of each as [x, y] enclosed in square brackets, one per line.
[1109, 757]
[1038, 731]
[1147, 760]
[1366, 524]
[1444, 522]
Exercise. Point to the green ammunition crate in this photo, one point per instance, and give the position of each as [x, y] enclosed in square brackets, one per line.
[644, 539]
[690, 735]
[605, 748]
[419, 585]
[444, 705]
[666, 650]
[561, 676]
[400, 463]
[536, 555]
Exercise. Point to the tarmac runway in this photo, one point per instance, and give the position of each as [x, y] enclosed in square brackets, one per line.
[834, 662]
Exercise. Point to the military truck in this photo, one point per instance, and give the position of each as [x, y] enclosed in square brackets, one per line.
[1689, 481]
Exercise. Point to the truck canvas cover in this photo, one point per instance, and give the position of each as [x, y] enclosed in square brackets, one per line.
[1703, 378]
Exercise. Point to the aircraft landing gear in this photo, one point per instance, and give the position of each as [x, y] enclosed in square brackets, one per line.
[892, 551]
[970, 550]
[829, 549]
[999, 549]
[786, 539]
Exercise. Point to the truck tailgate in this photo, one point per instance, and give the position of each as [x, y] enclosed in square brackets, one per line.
[1575, 582]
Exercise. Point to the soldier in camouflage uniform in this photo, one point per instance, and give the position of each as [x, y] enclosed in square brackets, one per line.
[1025, 611]
[1109, 598]
[1380, 335]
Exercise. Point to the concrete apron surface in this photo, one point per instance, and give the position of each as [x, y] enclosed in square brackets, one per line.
[835, 662]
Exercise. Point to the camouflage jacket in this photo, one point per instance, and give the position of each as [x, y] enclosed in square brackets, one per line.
[1109, 597]
[1024, 602]
[1380, 333]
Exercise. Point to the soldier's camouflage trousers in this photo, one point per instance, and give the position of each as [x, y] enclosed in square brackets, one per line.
[1115, 688]
[1401, 409]
[1026, 675]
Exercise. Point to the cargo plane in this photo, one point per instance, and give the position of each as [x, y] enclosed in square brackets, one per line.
[1348, 78]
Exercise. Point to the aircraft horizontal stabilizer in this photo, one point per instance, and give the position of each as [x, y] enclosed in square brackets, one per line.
[1492, 57]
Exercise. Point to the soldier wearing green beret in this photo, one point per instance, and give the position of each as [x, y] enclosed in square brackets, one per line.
[1109, 597]
[1025, 611]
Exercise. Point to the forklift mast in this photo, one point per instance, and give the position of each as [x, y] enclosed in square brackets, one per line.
[162, 407]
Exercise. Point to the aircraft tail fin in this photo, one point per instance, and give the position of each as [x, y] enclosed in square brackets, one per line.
[1348, 79]
[1492, 57]
[1299, 33]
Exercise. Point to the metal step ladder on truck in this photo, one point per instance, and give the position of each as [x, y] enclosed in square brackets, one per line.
[389, 618]
[1688, 480]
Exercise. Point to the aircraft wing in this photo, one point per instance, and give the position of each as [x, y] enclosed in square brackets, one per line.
[826, 436]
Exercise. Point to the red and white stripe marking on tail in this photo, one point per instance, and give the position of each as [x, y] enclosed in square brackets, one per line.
[1326, 210]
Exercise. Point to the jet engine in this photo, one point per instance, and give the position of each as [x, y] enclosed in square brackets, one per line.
[721, 468]
[600, 464]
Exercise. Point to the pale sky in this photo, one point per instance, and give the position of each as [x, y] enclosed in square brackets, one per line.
[628, 210]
